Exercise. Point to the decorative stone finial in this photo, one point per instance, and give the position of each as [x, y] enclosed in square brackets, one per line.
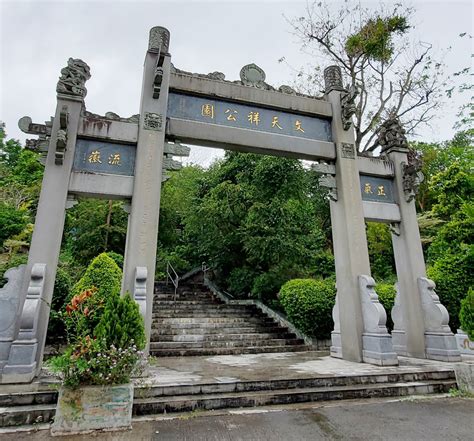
[73, 78]
[252, 75]
[332, 79]
[391, 136]
[159, 40]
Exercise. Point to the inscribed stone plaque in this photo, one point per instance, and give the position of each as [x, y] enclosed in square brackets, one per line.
[377, 189]
[104, 157]
[348, 150]
[226, 113]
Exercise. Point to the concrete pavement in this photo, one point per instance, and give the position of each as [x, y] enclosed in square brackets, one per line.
[439, 418]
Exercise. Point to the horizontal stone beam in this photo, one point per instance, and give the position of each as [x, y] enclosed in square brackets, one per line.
[249, 95]
[251, 141]
[102, 186]
[375, 166]
[381, 212]
[107, 129]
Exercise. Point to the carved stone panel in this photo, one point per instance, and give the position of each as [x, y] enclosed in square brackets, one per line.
[153, 121]
[348, 150]
[159, 39]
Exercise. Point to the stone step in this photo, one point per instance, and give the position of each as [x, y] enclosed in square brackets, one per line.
[186, 403]
[186, 303]
[220, 336]
[211, 320]
[183, 313]
[227, 351]
[23, 408]
[184, 297]
[213, 328]
[245, 343]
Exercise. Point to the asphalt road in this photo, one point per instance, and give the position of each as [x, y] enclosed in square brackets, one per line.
[446, 419]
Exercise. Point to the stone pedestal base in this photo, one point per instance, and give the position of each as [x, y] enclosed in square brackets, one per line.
[336, 346]
[377, 349]
[441, 346]
[465, 376]
[399, 342]
[21, 365]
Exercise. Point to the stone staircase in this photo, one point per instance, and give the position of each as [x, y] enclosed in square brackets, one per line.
[198, 323]
[26, 405]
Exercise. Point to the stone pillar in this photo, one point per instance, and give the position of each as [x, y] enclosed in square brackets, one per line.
[142, 232]
[26, 352]
[420, 321]
[348, 229]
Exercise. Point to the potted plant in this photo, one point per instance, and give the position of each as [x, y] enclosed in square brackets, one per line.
[106, 337]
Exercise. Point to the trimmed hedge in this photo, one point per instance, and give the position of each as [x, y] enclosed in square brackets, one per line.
[103, 276]
[454, 276]
[308, 304]
[466, 316]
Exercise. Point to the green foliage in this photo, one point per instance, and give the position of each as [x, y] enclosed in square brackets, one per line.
[323, 264]
[379, 241]
[308, 304]
[116, 257]
[454, 276]
[387, 293]
[62, 286]
[466, 315]
[12, 221]
[121, 324]
[95, 226]
[258, 221]
[453, 187]
[374, 39]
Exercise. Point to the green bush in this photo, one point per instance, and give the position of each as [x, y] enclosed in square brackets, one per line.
[266, 286]
[116, 257]
[454, 276]
[387, 293]
[121, 324]
[323, 264]
[466, 316]
[308, 304]
[105, 277]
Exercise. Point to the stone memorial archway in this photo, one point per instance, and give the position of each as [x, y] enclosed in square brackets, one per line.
[113, 157]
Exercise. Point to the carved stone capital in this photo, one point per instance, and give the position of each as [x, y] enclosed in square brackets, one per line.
[159, 40]
[333, 79]
[391, 136]
[73, 78]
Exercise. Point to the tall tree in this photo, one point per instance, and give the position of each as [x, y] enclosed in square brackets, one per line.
[371, 45]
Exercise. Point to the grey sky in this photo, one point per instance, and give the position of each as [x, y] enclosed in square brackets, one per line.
[37, 38]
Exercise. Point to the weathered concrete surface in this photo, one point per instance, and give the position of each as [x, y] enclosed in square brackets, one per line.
[465, 376]
[421, 419]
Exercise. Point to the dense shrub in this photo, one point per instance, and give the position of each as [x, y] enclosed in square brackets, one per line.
[453, 275]
[121, 324]
[308, 304]
[12, 221]
[323, 264]
[116, 257]
[386, 293]
[466, 316]
[105, 277]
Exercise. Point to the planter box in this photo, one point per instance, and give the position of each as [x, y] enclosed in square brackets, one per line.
[91, 408]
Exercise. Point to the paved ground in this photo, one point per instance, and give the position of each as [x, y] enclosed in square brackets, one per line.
[409, 419]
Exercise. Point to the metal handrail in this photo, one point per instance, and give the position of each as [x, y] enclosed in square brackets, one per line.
[174, 280]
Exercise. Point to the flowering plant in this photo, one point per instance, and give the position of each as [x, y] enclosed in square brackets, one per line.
[107, 353]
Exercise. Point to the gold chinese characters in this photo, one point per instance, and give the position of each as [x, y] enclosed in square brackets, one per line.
[254, 118]
[95, 158]
[369, 190]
